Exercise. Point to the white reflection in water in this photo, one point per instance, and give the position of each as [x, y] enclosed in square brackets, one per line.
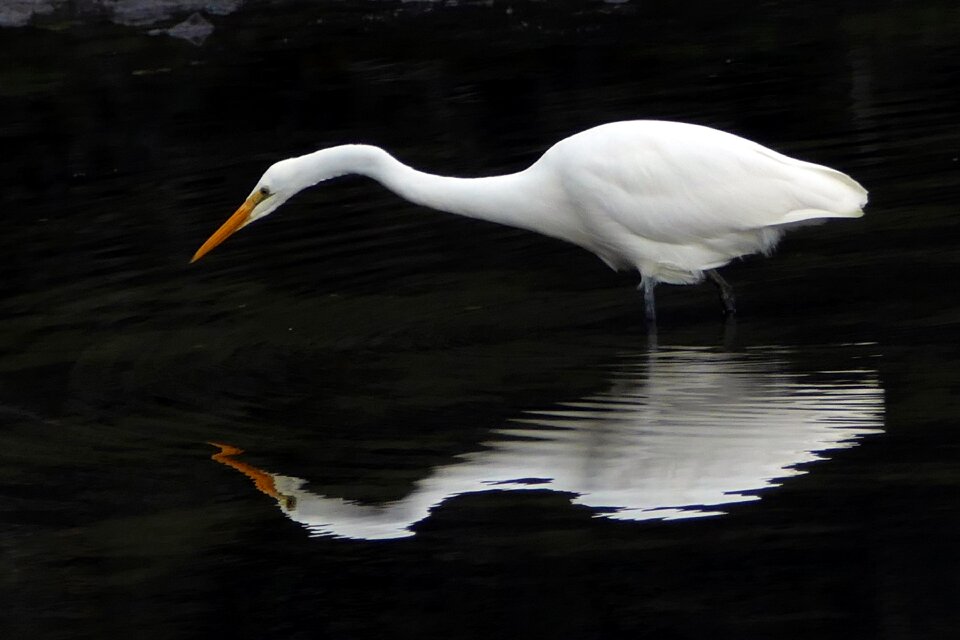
[678, 433]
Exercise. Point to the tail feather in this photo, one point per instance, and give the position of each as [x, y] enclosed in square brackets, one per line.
[826, 193]
[802, 215]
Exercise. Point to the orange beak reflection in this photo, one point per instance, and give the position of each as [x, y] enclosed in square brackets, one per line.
[237, 220]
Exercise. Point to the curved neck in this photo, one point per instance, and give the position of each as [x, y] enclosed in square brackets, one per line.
[516, 199]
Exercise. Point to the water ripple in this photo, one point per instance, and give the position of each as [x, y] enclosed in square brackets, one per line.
[680, 433]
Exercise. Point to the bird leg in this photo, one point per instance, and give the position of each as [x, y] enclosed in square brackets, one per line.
[649, 306]
[730, 333]
[726, 292]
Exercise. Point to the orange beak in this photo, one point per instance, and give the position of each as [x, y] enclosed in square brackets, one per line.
[237, 220]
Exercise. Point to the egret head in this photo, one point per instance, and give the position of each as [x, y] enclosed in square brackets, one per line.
[275, 187]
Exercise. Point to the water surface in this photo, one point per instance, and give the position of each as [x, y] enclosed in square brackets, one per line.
[448, 428]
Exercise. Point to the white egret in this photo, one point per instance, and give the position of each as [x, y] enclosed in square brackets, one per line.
[674, 201]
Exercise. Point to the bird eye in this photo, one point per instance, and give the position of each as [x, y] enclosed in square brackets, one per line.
[264, 191]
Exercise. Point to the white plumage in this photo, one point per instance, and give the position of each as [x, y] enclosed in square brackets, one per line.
[672, 200]
[676, 199]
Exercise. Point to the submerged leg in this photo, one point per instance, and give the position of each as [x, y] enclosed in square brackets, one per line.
[649, 306]
[730, 333]
[726, 292]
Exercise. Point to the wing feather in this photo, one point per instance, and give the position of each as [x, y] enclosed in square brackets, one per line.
[678, 183]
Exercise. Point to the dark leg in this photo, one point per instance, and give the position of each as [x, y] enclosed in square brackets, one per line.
[649, 306]
[730, 333]
[726, 292]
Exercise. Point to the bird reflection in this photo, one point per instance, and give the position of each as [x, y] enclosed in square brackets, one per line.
[678, 433]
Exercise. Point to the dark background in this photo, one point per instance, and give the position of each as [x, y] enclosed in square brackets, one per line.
[359, 341]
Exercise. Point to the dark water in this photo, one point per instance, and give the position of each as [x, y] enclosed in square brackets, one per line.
[363, 419]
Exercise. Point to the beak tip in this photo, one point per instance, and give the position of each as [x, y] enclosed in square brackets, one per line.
[240, 217]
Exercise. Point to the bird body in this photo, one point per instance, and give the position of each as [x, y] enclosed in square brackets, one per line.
[671, 200]
[674, 200]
